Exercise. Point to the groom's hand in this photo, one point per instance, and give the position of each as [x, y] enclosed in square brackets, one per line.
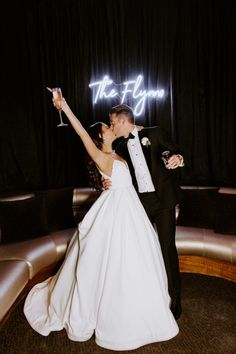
[175, 161]
[106, 183]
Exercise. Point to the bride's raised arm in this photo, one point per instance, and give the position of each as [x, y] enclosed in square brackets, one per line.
[96, 155]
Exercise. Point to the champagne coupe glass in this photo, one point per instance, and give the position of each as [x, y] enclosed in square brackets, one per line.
[56, 92]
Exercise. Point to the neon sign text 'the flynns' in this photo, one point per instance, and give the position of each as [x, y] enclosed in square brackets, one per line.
[105, 89]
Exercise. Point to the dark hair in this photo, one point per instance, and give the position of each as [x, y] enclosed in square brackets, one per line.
[95, 132]
[123, 109]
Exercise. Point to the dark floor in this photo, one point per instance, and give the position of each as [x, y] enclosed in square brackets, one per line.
[207, 326]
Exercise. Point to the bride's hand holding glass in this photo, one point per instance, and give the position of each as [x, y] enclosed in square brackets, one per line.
[58, 102]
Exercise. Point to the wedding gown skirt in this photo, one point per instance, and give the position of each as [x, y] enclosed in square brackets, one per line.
[113, 281]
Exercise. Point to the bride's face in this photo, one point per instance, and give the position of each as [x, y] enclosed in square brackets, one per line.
[107, 134]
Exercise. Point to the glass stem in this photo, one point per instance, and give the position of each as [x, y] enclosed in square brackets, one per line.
[60, 117]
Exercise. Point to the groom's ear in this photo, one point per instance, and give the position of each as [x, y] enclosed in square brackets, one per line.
[139, 127]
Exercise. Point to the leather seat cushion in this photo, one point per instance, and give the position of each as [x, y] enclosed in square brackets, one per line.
[61, 239]
[205, 243]
[37, 253]
[14, 276]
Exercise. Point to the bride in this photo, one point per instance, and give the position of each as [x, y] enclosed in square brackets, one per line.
[112, 282]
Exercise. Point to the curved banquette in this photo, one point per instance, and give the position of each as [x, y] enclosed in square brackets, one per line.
[206, 231]
[204, 245]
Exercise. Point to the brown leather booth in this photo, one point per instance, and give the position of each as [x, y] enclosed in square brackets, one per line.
[24, 263]
[21, 262]
[208, 247]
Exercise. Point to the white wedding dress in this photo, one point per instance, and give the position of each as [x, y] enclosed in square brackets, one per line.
[113, 281]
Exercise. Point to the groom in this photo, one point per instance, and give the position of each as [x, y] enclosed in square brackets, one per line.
[155, 183]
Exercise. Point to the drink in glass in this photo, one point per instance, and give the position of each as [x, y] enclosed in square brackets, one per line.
[57, 94]
[165, 156]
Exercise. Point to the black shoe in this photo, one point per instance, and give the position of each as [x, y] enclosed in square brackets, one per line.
[176, 308]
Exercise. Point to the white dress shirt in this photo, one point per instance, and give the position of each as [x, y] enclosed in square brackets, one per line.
[141, 170]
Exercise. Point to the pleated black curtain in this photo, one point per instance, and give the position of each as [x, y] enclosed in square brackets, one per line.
[186, 47]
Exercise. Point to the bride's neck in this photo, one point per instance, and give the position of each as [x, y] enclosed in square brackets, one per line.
[107, 149]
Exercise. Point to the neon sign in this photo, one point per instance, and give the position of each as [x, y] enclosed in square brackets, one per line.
[106, 89]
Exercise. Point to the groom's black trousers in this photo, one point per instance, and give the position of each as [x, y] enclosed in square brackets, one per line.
[165, 221]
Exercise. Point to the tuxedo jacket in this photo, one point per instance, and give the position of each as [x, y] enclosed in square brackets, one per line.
[165, 181]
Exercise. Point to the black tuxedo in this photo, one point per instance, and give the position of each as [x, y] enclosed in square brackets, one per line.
[159, 205]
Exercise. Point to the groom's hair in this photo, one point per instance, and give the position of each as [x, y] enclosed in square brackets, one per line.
[123, 109]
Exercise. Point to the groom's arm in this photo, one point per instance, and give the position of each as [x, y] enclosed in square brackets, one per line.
[165, 143]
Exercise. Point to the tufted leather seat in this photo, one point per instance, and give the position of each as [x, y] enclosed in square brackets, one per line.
[21, 261]
[83, 198]
[205, 235]
[14, 275]
[227, 190]
[205, 243]
[14, 197]
[61, 240]
[39, 252]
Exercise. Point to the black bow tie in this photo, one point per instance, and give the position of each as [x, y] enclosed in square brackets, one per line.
[131, 136]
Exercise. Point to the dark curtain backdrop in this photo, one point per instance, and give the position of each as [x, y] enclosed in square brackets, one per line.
[187, 47]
